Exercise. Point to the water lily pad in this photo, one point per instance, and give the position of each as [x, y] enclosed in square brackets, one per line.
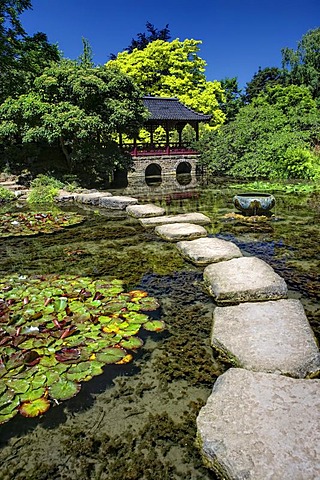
[52, 377]
[148, 304]
[6, 397]
[134, 317]
[31, 394]
[18, 385]
[111, 355]
[6, 417]
[154, 326]
[64, 389]
[131, 343]
[35, 407]
[126, 359]
[68, 355]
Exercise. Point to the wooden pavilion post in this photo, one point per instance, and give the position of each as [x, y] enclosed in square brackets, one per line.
[167, 139]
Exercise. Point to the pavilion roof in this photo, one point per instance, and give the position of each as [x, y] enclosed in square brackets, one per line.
[166, 108]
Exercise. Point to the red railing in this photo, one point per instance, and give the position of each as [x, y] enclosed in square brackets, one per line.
[145, 149]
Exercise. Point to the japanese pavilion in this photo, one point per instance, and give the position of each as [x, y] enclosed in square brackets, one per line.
[171, 114]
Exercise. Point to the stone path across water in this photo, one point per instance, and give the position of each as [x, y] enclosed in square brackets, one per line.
[272, 337]
[261, 426]
[255, 425]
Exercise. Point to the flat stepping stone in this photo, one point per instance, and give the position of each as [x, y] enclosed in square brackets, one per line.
[91, 198]
[261, 426]
[272, 336]
[208, 250]
[144, 211]
[196, 218]
[245, 279]
[115, 202]
[180, 231]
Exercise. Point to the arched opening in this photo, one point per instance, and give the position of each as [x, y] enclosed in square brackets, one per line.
[153, 174]
[184, 167]
[183, 173]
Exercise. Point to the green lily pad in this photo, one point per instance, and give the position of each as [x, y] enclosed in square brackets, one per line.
[31, 395]
[111, 355]
[131, 343]
[35, 407]
[6, 397]
[52, 377]
[134, 317]
[148, 304]
[64, 389]
[154, 326]
[18, 385]
[6, 417]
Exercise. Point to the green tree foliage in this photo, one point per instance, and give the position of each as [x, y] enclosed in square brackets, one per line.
[233, 100]
[22, 57]
[273, 137]
[173, 69]
[263, 79]
[303, 64]
[77, 108]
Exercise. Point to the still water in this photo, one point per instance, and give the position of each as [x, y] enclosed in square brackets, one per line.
[137, 421]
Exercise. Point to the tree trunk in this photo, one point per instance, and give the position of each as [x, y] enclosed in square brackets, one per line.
[66, 153]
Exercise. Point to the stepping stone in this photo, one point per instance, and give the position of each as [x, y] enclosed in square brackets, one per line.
[196, 218]
[258, 426]
[117, 202]
[65, 197]
[180, 231]
[143, 211]
[208, 250]
[91, 198]
[245, 279]
[270, 337]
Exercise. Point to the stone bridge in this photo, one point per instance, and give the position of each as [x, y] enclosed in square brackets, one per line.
[164, 165]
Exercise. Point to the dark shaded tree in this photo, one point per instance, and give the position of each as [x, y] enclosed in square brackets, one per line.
[261, 80]
[144, 38]
[22, 57]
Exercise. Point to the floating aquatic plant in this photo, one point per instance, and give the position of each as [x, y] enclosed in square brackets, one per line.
[33, 223]
[58, 331]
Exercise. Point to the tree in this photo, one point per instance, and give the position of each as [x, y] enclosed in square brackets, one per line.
[78, 108]
[303, 64]
[173, 69]
[233, 98]
[143, 39]
[22, 57]
[263, 79]
[273, 137]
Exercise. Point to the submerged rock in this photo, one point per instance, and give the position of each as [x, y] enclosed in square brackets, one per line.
[180, 231]
[245, 279]
[208, 250]
[196, 218]
[144, 211]
[272, 336]
[261, 426]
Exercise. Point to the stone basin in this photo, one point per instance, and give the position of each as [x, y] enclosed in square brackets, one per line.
[254, 203]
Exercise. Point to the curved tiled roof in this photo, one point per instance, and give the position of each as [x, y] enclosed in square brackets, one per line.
[165, 108]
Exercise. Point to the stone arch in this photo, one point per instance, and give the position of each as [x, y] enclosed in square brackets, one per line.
[184, 167]
[153, 170]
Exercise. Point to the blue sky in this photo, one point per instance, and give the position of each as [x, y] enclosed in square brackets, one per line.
[238, 35]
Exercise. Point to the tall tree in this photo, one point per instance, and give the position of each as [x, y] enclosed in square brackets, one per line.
[303, 64]
[263, 79]
[233, 98]
[22, 57]
[173, 69]
[143, 39]
[79, 109]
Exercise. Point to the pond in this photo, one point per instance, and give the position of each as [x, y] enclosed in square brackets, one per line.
[137, 421]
